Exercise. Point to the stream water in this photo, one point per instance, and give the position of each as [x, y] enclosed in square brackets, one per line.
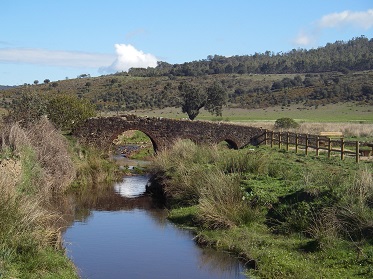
[121, 233]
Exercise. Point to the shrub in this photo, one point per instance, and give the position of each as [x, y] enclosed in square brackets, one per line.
[286, 123]
[66, 111]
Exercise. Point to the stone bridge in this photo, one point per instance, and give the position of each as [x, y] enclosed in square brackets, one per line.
[101, 131]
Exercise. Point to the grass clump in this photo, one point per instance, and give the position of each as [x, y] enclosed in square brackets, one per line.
[222, 203]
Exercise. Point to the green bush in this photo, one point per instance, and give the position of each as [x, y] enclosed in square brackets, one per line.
[286, 123]
[66, 111]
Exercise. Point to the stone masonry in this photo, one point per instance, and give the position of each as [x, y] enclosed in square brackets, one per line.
[101, 131]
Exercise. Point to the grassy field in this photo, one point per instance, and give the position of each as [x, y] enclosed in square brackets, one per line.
[341, 112]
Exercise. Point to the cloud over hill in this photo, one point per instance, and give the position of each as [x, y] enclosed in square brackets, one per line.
[129, 57]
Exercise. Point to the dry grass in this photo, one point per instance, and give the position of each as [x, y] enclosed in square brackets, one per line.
[25, 224]
[47, 154]
[348, 129]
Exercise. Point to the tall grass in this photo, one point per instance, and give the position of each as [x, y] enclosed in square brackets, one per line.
[44, 153]
[193, 174]
[222, 203]
[27, 232]
[35, 164]
[93, 169]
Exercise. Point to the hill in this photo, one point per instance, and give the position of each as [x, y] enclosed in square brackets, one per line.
[339, 72]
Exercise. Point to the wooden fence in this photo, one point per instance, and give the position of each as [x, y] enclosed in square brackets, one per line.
[315, 143]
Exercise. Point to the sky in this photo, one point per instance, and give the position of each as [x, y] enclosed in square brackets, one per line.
[55, 40]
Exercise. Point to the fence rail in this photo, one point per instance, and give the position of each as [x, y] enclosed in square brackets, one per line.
[315, 143]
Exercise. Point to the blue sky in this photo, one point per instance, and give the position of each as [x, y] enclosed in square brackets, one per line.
[53, 40]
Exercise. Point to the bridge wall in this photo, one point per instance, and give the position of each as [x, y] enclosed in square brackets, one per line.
[163, 132]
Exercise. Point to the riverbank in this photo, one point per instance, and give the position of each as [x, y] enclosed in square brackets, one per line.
[284, 214]
[36, 168]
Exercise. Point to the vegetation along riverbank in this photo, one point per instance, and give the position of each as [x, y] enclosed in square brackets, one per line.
[284, 214]
[37, 164]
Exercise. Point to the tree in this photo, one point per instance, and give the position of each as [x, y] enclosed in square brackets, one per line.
[28, 108]
[193, 99]
[216, 98]
[36, 81]
[66, 111]
[46, 81]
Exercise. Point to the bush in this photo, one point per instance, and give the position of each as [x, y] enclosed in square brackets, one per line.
[286, 123]
[66, 111]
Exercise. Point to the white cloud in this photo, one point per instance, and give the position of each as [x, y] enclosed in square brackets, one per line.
[360, 20]
[46, 57]
[129, 57]
[304, 39]
[126, 57]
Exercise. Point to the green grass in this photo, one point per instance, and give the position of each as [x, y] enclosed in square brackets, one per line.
[296, 216]
[285, 256]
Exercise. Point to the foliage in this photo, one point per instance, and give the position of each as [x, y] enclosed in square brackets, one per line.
[193, 99]
[66, 111]
[333, 57]
[216, 98]
[28, 108]
[286, 123]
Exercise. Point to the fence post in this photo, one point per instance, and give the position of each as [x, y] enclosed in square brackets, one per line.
[317, 145]
[265, 136]
[272, 139]
[296, 143]
[287, 141]
[342, 149]
[306, 144]
[279, 140]
[329, 148]
[357, 152]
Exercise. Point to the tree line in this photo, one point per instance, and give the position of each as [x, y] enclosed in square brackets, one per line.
[353, 55]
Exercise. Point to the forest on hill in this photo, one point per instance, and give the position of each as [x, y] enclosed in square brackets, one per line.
[354, 55]
[337, 72]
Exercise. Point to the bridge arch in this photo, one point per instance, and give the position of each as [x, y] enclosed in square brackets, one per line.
[231, 143]
[101, 131]
[151, 138]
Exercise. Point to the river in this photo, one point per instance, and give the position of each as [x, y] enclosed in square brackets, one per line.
[122, 233]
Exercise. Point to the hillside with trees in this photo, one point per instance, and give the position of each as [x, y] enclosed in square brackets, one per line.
[337, 72]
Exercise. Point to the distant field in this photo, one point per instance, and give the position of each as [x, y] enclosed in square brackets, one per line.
[343, 112]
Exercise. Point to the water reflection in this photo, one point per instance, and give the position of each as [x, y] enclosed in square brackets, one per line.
[131, 186]
[122, 233]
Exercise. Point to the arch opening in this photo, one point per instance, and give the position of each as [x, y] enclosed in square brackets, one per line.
[229, 144]
[134, 144]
